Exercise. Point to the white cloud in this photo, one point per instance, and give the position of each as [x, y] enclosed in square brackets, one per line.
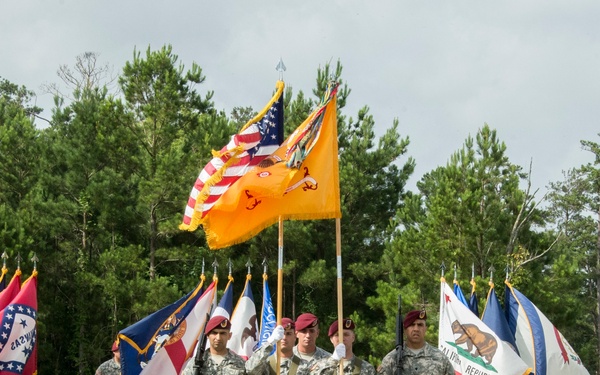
[528, 69]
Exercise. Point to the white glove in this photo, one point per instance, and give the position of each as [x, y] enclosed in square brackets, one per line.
[339, 352]
[276, 335]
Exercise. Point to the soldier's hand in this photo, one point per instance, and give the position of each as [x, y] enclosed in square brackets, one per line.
[276, 335]
[339, 352]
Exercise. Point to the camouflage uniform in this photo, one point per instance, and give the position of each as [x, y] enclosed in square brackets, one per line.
[232, 364]
[429, 360]
[110, 367]
[354, 366]
[319, 354]
[259, 363]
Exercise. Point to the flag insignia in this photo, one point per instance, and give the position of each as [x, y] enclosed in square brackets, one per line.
[17, 337]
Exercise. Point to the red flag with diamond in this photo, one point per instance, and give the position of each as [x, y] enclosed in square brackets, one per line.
[18, 340]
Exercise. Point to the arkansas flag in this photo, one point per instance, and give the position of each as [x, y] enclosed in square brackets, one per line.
[259, 138]
[18, 340]
[471, 346]
[244, 328]
[540, 344]
[300, 181]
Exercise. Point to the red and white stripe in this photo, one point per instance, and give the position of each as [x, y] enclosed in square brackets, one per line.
[247, 139]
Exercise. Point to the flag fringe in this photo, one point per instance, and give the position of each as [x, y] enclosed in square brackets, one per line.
[213, 240]
[197, 218]
[150, 343]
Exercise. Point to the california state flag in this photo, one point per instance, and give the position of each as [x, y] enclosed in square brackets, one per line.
[471, 346]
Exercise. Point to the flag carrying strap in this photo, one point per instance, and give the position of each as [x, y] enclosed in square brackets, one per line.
[293, 367]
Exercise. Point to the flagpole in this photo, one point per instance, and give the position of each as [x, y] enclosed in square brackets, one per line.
[279, 287]
[338, 253]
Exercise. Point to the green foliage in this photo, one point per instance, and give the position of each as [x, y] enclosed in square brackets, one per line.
[101, 202]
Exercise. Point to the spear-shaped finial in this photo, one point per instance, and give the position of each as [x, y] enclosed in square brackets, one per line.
[202, 273]
[280, 68]
[35, 259]
[19, 258]
[491, 269]
[215, 265]
[249, 265]
[455, 268]
[507, 272]
[4, 258]
[230, 266]
[265, 265]
[443, 268]
[472, 270]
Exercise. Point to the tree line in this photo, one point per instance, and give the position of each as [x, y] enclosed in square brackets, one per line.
[98, 195]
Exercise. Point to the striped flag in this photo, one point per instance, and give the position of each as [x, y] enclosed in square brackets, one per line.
[259, 138]
[299, 181]
[540, 344]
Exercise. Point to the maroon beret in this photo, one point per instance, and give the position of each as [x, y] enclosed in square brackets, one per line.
[115, 346]
[414, 315]
[218, 321]
[347, 323]
[287, 323]
[306, 320]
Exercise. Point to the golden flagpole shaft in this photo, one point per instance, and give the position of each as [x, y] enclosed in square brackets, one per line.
[279, 287]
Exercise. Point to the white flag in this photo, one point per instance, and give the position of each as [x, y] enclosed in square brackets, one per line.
[471, 346]
[538, 341]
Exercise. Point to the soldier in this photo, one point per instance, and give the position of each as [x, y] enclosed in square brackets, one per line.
[262, 362]
[352, 364]
[418, 356]
[307, 331]
[218, 359]
[113, 365]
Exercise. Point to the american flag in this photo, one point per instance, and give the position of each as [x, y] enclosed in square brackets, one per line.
[259, 138]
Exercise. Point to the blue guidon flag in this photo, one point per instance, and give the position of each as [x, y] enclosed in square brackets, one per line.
[18, 334]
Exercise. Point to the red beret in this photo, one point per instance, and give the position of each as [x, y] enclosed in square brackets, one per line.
[347, 323]
[115, 346]
[218, 321]
[414, 315]
[287, 323]
[306, 320]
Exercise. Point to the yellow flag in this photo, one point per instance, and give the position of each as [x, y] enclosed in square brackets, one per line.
[305, 191]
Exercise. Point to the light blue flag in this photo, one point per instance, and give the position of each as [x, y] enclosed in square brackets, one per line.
[268, 319]
[459, 294]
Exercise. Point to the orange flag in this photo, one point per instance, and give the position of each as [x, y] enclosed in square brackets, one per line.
[300, 181]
